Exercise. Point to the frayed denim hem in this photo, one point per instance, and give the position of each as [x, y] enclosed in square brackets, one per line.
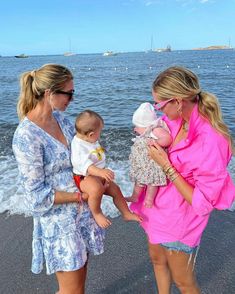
[181, 247]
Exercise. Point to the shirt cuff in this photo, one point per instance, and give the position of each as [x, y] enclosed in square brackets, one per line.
[200, 204]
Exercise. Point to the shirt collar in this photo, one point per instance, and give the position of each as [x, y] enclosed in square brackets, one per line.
[196, 120]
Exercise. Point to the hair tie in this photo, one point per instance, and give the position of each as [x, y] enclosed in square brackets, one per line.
[198, 96]
[33, 73]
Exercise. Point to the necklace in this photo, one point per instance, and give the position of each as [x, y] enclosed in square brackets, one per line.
[185, 126]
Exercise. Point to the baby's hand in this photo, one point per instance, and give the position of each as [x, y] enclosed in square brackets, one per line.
[107, 174]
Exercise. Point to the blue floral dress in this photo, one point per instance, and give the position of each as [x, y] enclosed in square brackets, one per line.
[63, 233]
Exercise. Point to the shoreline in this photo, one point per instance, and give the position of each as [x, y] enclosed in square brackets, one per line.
[125, 265]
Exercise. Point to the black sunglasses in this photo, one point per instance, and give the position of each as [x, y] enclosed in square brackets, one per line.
[70, 93]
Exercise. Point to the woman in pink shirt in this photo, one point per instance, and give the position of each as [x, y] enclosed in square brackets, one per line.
[196, 167]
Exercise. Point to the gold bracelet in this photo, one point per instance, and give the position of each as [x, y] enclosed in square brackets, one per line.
[173, 177]
[166, 168]
[170, 171]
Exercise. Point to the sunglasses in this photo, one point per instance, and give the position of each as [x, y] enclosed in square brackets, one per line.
[69, 94]
[160, 105]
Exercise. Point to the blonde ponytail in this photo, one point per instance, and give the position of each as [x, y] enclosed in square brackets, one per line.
[27, 99]
[209, 108]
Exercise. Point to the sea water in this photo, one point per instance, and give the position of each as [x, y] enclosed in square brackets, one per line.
[114, 87]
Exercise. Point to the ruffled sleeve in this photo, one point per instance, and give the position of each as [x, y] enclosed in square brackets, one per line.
[29, 155]
[213, 185]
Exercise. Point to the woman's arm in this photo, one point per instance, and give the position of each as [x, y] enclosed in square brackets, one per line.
[67, 197]
[39, 194]
[213, 186]
[160, 157]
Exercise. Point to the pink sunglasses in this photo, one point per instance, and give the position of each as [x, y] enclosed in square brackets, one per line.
[160, 105]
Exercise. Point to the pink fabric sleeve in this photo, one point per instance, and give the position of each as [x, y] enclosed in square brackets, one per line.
[212, 181]
[207, 189]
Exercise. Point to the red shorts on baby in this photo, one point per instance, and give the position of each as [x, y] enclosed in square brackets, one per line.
[78, 179]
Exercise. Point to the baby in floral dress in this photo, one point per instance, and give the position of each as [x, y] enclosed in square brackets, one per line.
[144, 172]
[90, 174]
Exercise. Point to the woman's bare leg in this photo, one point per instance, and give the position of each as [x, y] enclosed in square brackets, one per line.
[114, 191]
[94, 187]
[161, 268]
[72, 282]
[181, 266]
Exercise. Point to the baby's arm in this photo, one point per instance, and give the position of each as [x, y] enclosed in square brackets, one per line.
[164, 137]
[105, 173]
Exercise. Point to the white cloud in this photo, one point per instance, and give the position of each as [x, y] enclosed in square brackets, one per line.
[149, 2]
[188, 2]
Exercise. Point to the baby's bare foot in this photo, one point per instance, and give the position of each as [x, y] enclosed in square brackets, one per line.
[131, 199]
[132, 217]
[148, 204]
[102, 221]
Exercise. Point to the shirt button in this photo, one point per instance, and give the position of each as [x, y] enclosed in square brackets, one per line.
[187, 140]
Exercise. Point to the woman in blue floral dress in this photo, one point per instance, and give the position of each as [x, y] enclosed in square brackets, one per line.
[64, 229]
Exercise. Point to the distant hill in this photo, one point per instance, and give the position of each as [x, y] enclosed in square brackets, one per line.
[216, 47]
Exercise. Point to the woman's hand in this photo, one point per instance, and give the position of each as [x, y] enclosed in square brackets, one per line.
[158, 154]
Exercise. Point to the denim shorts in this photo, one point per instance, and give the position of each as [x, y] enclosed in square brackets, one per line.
[179, 246]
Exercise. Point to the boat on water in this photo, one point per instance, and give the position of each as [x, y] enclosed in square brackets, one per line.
[158, 50]
[167, 49]
[70, 51]
[110, 53]
[69, 54]
[21, 56]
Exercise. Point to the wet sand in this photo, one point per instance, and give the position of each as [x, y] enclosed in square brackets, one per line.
[125, 266]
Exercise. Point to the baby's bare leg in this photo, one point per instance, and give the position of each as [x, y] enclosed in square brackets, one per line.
[94, 187]
[114, 191]
[137, 191]
[151, 192]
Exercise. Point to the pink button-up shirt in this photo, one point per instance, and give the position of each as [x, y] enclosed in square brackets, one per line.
[202, 160]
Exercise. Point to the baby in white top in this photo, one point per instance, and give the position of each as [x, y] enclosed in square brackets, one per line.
[90, 174]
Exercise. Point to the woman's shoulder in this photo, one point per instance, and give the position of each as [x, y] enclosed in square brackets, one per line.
[27, 136]
[210, 136]
[211, 143]
[24, 127]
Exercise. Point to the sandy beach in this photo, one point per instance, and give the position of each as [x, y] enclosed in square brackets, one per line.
[125, 266]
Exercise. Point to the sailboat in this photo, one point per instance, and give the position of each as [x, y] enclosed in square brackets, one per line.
[157, 50]
[151, 47]
[69, 53]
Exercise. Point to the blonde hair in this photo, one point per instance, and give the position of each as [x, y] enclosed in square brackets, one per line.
[182, 83]
[33, 85]
[88, 121]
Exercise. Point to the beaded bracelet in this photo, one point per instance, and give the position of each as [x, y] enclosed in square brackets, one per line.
[79, 197]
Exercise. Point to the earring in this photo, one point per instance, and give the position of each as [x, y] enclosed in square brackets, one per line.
[179, 110]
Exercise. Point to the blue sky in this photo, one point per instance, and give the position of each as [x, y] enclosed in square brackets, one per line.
[94, 26]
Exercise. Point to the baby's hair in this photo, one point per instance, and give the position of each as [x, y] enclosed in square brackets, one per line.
[88, 121]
